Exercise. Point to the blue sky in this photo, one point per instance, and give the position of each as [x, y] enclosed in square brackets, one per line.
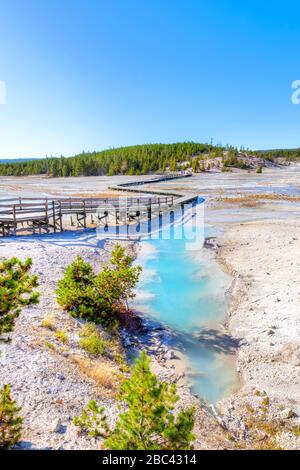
[95, 74]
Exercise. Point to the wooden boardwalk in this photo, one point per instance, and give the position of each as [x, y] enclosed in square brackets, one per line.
[37, 215]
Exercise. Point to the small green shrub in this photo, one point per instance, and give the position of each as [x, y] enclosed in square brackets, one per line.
[149, 422]
[76, 292]
[99, 298]
[259, 169]
[16, 290]
[91, 340]
[120, 360]
[92, 420]
[50, 345]
[116, 281]
[94, 344]
[88, 329]
[49, 322]
[10, 421]
[296, 431]
[62, 336]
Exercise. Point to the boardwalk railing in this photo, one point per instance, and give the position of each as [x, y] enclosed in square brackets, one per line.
[45, 214]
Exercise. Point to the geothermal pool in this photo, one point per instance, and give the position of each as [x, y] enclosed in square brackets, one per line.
[183, 288]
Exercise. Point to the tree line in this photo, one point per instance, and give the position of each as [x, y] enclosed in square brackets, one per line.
[286, 154]
[133, 160]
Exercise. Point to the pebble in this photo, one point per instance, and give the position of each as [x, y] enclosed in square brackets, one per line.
[56, 425]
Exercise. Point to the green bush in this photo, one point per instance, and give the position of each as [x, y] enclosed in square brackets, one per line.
[61, 336]
[16, 291]
[77, 294]
[92, 420]
[91, 340]
[259, 169]
[149, 422]
[117, 280]
[10, 421]
[99, 298]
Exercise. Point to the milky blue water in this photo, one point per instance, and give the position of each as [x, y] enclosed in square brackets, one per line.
[185, 289]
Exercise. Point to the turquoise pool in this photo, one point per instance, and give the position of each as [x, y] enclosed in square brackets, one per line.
[186, 290]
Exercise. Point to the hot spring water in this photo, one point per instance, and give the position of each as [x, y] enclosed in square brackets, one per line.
[186, 290]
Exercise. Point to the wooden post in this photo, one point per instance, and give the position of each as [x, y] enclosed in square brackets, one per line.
[60, 217]
[54, 218]
[46, 215]
[15, 219]
[84, 214]
[149, 209]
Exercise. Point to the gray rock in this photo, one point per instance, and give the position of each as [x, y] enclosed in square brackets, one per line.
[56, 425]
[170, 355]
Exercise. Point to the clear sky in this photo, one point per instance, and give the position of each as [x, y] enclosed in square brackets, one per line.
[93, 74]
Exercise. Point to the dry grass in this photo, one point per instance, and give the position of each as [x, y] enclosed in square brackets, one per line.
[62, 336]
[250, 204]
[103, 373]
[263, 433]
[50, 322]
[251, 200]
[101, 195]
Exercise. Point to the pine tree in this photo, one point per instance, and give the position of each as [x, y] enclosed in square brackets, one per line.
[98, 298]
[16, 290]
[10, 421]
[124, 167]
[76, 292]
[117, 280]
[149, 422]
[145, 168]
[195, 165]
[173, 165]
[92, 420]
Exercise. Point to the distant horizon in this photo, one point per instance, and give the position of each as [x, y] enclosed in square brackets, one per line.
[16, 158]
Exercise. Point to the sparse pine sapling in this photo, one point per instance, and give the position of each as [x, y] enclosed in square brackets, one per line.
[149, 422]
[17, 290]
[117, 281]
[10, 420]
[92, 420]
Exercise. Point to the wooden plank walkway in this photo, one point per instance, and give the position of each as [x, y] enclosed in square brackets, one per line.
[45, 215]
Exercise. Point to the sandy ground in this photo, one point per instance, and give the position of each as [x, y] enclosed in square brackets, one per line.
[264, 258]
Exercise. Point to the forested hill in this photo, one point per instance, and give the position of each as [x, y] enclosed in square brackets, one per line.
[138, 159]
[286, 154]
[150, 158]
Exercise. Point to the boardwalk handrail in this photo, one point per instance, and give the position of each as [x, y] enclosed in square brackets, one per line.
[48, 212]
[181, 198]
